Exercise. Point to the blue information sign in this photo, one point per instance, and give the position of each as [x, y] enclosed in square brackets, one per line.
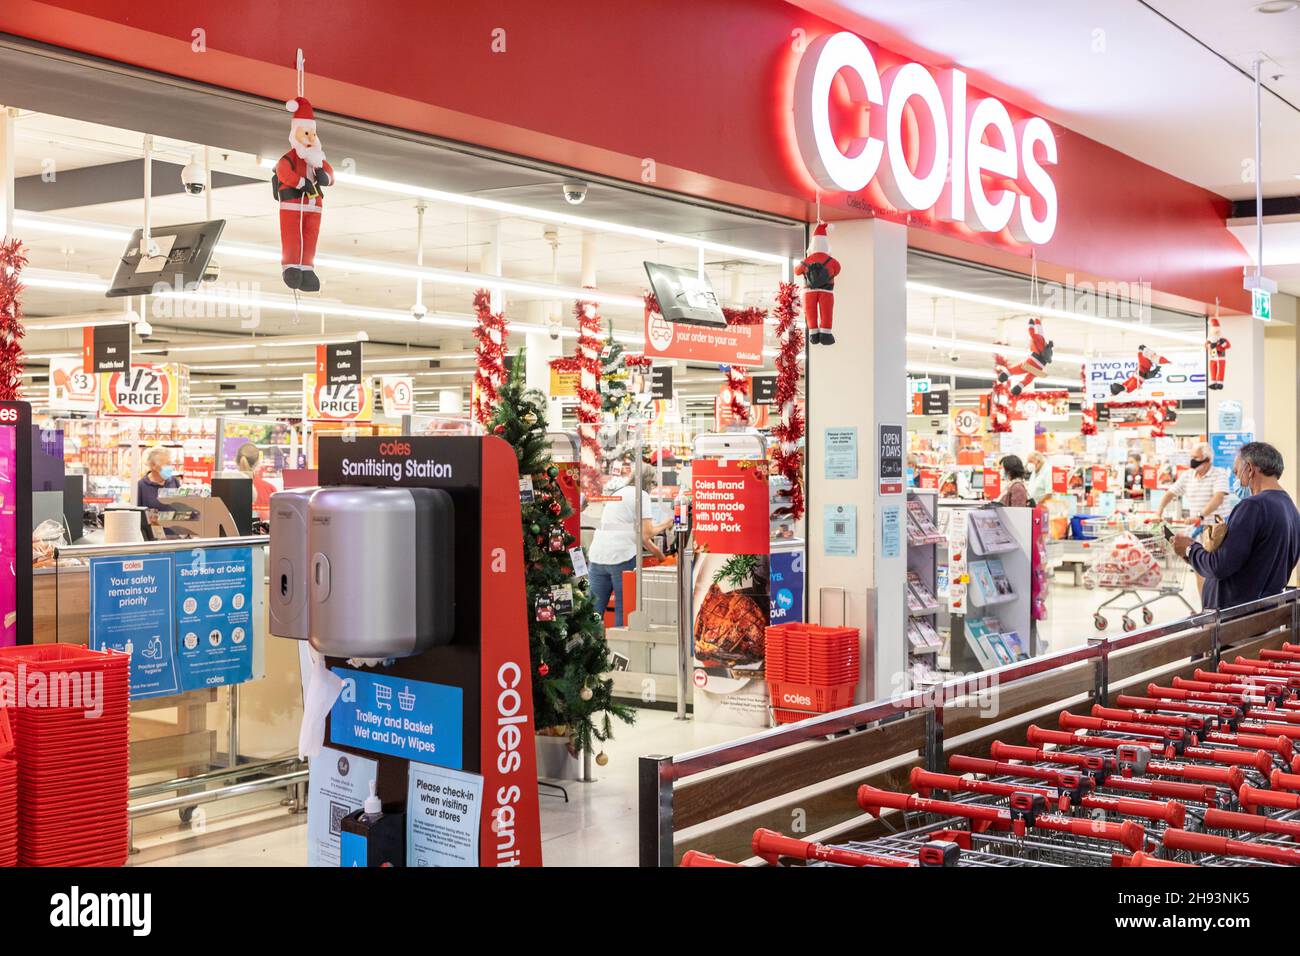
[1223, 453]
[131, 611]
[412, 719]
[214, 618]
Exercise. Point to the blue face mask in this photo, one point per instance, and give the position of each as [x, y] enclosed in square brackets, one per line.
[167, 471]
[1243, 492]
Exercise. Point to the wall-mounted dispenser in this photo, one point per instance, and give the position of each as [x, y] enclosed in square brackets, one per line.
[287, 567]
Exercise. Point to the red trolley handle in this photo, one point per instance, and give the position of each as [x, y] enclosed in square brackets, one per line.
[1069, 721]
[1280, 780]
[1261, 675]
[1146, 859]
[1205, 696]
[1138, 717]
[1127, 833]
[1293, 648]
[924, 782]
[873, 800]
[1001, 751]
[1280, 745]
[1281, 664]
[770, 846]
[1176, 790]
[1252, 797]
[1222, 846]
[1282, 654]
[1250, 822]
[1289, 731]
[1230, 777]
[1249, 686]
[1056, 778]
[1037, 735]
[1170, 811]
[1222, 711]
[697, 859]
[1248, 692]
[1259, 759]
[1272, 714]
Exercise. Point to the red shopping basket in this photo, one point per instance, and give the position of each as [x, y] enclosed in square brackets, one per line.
[8, 796]
[791, 702]
[812, 654]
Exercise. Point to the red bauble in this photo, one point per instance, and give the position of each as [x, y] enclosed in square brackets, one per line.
[499, 430]
[543, 670]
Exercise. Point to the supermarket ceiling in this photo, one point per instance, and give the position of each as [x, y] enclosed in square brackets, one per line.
[1164, 81]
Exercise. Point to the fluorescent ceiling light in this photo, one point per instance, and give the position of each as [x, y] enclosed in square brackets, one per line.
[1024, 308]
[546, 215]
[945, 371]
[939, 341]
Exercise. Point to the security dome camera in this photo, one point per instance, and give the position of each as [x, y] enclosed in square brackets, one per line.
[574, 192]
[954, 357]
[192, 178]
[143, 329]
[418, 311]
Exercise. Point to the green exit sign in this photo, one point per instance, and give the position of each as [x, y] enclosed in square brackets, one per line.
[1261, 304]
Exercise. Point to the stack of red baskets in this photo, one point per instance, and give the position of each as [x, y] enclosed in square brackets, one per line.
[8, 795]
[72, 759]
[810, 669]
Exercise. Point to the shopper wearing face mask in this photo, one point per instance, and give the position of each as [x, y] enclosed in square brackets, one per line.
[1039, 484]
[1262, 545]
[1202, 487]
[159, 474]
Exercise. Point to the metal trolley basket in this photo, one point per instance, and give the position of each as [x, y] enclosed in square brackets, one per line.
[1139, 565]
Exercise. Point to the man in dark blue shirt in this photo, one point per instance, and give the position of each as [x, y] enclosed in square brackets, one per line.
[1262, 546]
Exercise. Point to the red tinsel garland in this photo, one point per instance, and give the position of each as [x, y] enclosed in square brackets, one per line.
[1089, 409]
[637, 361]
[789, 431]
[752, 315]
[12, 260]
[586, 361]
[489, 355]
[738, 394]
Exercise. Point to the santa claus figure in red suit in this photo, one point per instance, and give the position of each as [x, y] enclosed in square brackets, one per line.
[300, 175]
[819, 269]
[1160, 414]
[1040, 356]
[1217, 347]
[1149, 362]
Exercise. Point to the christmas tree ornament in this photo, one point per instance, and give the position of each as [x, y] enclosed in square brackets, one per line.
[543, 669]
[586, 693]
[545, 610]
[557, 539]
[1217, 347]
[819, 269]
[602, 758]
[530, 418]
[553, 472]
[1040, 356]
[299, 177]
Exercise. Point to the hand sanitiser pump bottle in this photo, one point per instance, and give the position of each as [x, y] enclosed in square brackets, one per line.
[371, 837]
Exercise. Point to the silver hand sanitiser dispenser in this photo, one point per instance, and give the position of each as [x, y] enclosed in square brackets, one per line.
[287, 567]
[378, 569]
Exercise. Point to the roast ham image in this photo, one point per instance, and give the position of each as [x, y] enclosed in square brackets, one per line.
[729, 627]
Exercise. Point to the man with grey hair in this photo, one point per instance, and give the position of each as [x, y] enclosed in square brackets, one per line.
[1262, 546]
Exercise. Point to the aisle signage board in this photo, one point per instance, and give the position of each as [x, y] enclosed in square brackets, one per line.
[72, 388]
[412, 719]
[339, 364]
[258, 409]
[721, 345]
[661, 382]
[840, 459]
[337, 403]
[932, 404]
[338, 783]
[214, 600]
[1181, 378]
[443, 809]
[398, 393]
[146, 389]
[236, 405]
[106, 348]
[132, 611]
[764, 389]
[891, 459]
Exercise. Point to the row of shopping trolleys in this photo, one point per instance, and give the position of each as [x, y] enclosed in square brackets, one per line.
[1204, 772]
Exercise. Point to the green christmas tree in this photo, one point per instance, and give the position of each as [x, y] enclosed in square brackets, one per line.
[570, 656]
[614, 396]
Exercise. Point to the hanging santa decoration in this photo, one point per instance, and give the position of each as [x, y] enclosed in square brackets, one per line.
[299, 177]
[819, 269]
[1149, 362]
[1040, 356]
[1088, 409]
[1000, 398]
[1217, 347]
[1160, 414]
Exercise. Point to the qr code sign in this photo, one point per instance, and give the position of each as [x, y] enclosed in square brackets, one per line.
[337, 812]
[841, 527]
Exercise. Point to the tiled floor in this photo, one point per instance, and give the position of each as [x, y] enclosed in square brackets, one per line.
[596, 827]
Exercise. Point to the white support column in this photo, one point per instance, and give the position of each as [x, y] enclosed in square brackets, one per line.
[8, 148]
[861, 381]
[541, 349]
[1244, 380]
[490, 264]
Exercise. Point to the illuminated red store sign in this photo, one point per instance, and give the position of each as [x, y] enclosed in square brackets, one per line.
[967, 160]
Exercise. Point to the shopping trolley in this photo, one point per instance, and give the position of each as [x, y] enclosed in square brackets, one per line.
[1137, 564]
[383, 697]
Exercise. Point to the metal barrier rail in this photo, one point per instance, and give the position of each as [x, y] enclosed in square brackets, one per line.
[657, 773]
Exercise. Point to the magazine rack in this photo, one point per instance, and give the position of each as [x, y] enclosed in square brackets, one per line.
[997, 538]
